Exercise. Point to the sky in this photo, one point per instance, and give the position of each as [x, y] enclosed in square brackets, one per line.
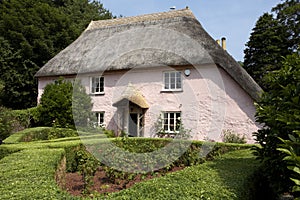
[232, 19]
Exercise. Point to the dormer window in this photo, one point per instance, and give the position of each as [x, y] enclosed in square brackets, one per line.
[172, 81]
[97, 85]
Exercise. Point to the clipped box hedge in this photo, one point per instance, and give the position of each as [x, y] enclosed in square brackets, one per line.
[225, 178]
[29, 174]
[40, 133]
[28, 168]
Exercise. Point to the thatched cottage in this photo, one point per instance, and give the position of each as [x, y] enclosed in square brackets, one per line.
[157, 73]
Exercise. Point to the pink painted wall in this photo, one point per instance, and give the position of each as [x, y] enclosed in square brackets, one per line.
[211, 101]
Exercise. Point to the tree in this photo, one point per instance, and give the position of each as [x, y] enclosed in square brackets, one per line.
[279, 111]
[55, 108]
[288, 16]
[274, 36]
[32, 32]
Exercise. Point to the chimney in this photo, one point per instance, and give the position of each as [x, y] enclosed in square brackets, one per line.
[224, 43]
[218, 41]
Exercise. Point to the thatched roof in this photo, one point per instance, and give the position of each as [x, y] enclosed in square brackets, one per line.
[131, 94]
[173, 38]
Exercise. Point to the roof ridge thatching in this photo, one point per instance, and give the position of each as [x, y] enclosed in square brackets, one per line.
[134, 42]
[141, 18]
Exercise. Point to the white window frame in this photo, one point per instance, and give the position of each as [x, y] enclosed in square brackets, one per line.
[93, 86]
[166, 119]
[169, 85]
[100, 121]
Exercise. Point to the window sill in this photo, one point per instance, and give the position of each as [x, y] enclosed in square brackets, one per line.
[171, 91]
[97, 94]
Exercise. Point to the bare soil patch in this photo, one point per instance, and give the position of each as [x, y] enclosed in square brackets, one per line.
[103, 185]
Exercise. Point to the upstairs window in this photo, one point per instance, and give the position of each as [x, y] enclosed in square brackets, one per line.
[172, 81]
[97, 85]
[171, 122]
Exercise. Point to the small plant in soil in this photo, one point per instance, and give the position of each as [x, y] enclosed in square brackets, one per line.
[87, 167]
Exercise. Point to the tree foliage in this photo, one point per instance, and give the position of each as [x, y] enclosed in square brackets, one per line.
[32, 32]
[60, 100]
[274, 36]
[279, 111]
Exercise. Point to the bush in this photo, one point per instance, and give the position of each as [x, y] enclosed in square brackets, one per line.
[24, 118]
[109, 133]
[279, 112]
[12, 121]
[60, 101]
[230, 137]
[6, 122]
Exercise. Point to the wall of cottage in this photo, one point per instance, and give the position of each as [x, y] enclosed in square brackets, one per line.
[210, 102]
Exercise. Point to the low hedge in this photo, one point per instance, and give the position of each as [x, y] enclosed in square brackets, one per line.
[40, 133]
[35, 163]
[224, 178]
[4, 151]
[178, 153]
[30, 174]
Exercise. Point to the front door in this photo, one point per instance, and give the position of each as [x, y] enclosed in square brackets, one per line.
[133, 125]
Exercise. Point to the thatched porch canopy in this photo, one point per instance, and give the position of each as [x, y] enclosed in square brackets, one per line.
[131, 94]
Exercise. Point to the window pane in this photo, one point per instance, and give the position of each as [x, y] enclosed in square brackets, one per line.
[97, 86]
[167, 86]
[172, 127]
[171, 115]
[101, 121]
[178, 81]
[166, 128]
[178, 121]
[167, 81]
[93, 85]
[101, 84]
[173, 74]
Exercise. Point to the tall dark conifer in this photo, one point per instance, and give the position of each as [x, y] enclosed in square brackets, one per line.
[274, 36]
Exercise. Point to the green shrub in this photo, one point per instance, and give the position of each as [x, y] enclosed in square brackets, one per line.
[291, 148]
[25, 118]
[87, 166]
[65, 104]
[279, 112]
[16, 120]
[109, 133]
[6, 122]
[228, 136]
